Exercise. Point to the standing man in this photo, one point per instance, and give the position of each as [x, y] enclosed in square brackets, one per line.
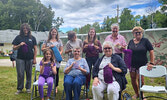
[26, 45]
[117, 39]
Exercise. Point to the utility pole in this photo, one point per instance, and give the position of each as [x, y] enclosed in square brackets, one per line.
[117, 13]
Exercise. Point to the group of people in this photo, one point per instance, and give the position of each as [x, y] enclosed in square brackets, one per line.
[108, 71]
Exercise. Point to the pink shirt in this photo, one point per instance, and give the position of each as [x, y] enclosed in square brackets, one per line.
[120, 39]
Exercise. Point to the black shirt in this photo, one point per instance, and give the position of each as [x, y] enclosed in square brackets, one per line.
[30, 41]
[139, 52]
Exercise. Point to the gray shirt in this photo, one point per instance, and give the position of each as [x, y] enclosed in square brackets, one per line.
[73, 44]
[58, 44]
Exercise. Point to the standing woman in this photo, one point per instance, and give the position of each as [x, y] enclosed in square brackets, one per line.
[139, 47]
[26, 45]
[72, 43]
[92, 48]
[54, 40]
[117, 39]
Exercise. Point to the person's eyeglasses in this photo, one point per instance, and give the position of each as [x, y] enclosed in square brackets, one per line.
[114, 31]
[107, 48]
[77, 51]
[137, 33]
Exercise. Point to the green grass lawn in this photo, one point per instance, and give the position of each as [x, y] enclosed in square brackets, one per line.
[8, 83]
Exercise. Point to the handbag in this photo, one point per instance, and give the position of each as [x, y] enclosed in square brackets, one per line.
[57, 54]
[107, 73]
[128, 57]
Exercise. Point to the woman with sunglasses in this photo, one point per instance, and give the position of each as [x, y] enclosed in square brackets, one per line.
[75, 71]
[109, 73]
[139, 47]
[117, 39]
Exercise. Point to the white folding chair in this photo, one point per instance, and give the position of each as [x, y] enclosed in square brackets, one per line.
[35, 85]
[157, 71]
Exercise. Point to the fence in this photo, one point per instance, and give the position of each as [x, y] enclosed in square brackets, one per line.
[158, 38]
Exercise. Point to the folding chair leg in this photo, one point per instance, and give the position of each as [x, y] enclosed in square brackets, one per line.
[54, 92]
[62, 97]
[35, 90]
[32, 93]
[141, 96]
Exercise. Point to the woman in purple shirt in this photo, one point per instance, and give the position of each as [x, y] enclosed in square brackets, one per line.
[92, 48]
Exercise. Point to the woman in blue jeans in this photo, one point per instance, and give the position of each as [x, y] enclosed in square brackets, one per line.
[75, 71]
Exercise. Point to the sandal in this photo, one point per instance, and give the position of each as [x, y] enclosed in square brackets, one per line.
[135, 97]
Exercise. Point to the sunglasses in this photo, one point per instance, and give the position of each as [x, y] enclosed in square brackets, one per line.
[137, 33]
[114, 31]
[107, 48]
[76, 51]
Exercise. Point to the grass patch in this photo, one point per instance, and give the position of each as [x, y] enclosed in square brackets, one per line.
[4, 57]
[8, 83]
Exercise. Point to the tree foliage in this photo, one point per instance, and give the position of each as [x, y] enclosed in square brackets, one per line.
[127, 20]
[15, 12]
[164, 5]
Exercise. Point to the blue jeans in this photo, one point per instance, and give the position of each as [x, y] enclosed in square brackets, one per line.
[73, 84]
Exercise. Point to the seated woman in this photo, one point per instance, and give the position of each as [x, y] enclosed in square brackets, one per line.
[75, 71]
[108, 73]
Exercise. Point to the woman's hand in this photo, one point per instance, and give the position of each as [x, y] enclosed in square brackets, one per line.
[114, 68]
[86, 46]
[111, 65]
[52, 46]
[97, 47]
[149, 66]
[44, 63]
[96, 81]
[22, 43]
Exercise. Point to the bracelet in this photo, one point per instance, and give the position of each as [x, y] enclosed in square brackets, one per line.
[151, 63]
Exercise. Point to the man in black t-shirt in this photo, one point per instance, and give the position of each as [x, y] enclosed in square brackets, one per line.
[26, 45]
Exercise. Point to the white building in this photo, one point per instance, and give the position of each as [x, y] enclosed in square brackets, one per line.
[7, 36]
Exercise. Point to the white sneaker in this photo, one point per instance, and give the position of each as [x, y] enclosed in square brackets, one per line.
[18, 92]
[28, 90]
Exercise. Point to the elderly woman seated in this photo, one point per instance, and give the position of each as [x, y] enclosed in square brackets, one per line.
[109, 73]
[75, 75]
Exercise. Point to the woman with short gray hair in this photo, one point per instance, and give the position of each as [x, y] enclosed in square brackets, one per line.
[109, 73]
[117, 39]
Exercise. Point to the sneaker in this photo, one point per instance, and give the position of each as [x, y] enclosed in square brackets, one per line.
[18, 92]
[28, 90]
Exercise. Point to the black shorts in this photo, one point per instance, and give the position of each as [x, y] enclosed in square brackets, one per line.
[12, 59]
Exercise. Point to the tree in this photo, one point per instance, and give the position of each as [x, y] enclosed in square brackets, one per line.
[58, 22]
[15, 12]
[144, 22]
[151, 9]
[127, 22]
[164, 6]
[160, 19]
[97, 27]
[106, 24]
[137, 20]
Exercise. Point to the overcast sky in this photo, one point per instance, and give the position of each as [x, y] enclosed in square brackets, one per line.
[77, 13]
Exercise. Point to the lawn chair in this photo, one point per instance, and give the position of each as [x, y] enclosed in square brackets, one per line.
[83, 89]
[35, 85]
[157, 71]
